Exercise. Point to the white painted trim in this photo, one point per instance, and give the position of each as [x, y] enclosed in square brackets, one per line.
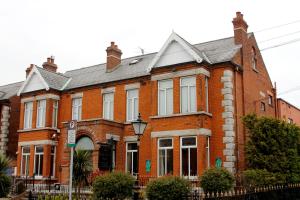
[174, 37]
[181, 114]
[34, 70]
[189, 72]
[29, 99]
[48, 96]
[37, 142]
[130, 138]
[132, 86]
[115, 137]
[108, 90]
[66, 84]
[186, 132]
[77, 95]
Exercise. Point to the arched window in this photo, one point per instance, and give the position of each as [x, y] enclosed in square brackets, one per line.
[85, 143]
[253, 58]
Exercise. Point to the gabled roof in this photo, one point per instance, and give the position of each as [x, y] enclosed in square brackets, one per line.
[194, 53]
[10, 90]
[47, 78]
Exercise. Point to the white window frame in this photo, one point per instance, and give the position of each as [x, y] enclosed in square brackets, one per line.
[28, 111]
[165, 112]
[206, 94]
[165, 152]
[131, 152]
[132, 101]
[189, 94]
[110, 108]
[41, 113]
[55, 113]
[78, 108]
[253, 59]
[54, 161]
[39, 173]
[188, 147]
[27, 162]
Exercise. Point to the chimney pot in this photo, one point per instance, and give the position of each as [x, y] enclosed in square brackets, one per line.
[50, 65]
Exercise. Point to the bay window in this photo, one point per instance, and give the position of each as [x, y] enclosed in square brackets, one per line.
[28, 115]
[38, 161]
[76, 108]
[165, 97]
[165, 156]
[108, 106]
[188, 94]
[54, 114]
[188, 156]
[41, 113]
[132, 104]
[25, 160]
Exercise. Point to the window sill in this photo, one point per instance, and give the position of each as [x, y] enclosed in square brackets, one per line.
[181, 114]
[38, 129]
[255, 70]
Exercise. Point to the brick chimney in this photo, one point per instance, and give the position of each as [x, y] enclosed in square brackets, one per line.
[28, 70]
[113, 57]
[240, 28]
[50, 65]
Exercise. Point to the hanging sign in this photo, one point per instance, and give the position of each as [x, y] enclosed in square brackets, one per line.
[72, 126]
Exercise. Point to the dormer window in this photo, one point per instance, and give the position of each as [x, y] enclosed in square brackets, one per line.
[253, 59]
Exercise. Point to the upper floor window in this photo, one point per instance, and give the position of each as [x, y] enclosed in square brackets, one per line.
[188, 94]
[41, 113]
[253, 58]
[108, 106]
[55, 114]
[270, 100]
[76, 108]
[165, 97]
[262, 106]
[132, 104]
[28, 115]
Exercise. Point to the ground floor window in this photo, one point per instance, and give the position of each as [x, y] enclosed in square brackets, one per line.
[165, 156]
[38, 160]
[25, 159]
[189, 156]
[52, 161]
[131, 158]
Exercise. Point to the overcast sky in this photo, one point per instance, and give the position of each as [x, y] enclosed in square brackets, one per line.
[78, 32]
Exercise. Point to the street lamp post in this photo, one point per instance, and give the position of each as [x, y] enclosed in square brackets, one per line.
[139, 127]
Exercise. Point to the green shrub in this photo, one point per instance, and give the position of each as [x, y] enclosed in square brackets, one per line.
[114, 185]
[258, 178]
[216, 180]
[5, 183]
[168, 187]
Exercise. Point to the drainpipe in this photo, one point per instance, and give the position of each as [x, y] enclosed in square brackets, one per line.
[208, 152]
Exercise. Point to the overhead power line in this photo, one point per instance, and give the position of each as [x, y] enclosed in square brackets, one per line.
[278, 26]
[280, 36]
[281, 44]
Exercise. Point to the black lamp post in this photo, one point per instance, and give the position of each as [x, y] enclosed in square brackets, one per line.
[139, 127]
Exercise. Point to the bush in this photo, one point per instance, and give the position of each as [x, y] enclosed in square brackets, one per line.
[216, 180]
[114, 185]
[5, 183]
[258, 178]
[168, 187]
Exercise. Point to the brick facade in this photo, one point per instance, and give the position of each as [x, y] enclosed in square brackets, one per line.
[288, 112]
[225, 92]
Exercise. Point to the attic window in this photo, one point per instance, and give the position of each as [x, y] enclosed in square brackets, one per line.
[253, 59]
[133, 62]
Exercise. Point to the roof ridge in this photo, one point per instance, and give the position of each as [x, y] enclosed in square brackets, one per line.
[60, 74]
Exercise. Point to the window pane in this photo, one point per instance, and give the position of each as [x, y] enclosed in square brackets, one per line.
[39, 149]
[184, 162]
[188, 81]
[169, 161]
[162, 163]
[193, 161]
[129, 162]
[169, 101]
[129, 110]
[132, 146]
[191, 141]
[111, 110]
[165, 142]
[136, 108]
[193, 98]
[26, 149]
[41, 165]
[161, 103]
[184, 99]
[132, 93]
[135, 162]
[165, 84]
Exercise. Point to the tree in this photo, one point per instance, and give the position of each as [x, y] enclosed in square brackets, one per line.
[83, 166]
[273, 145]
[5, 181]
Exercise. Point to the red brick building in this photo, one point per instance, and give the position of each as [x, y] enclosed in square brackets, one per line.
[9, 120]
[288, 112]
[192, 96]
